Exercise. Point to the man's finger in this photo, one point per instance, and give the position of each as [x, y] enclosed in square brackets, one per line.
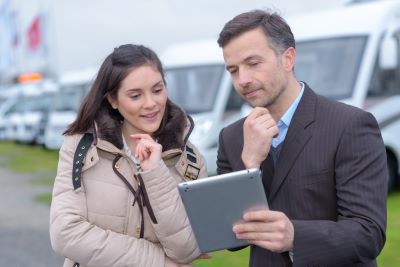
[258, 111]
[254, 226]
[263, 215]
[271, 237]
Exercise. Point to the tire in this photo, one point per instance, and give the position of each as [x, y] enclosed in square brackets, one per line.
[392, 171]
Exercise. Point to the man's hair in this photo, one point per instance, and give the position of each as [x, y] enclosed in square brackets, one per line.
[274, 26]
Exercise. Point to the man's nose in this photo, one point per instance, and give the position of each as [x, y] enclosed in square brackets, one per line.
[244, 78]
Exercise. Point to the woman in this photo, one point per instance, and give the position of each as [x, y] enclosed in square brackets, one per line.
[120, 205]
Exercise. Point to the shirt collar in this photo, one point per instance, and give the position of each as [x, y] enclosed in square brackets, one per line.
[287, 117]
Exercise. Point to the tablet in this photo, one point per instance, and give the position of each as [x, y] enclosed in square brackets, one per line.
[215, 204]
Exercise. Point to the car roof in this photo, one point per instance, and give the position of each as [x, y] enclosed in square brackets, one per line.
[348, 20]
[193, 53]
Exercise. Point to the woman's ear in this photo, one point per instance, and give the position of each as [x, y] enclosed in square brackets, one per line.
[112, 101]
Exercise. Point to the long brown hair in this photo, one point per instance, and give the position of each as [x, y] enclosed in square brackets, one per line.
[96, 108]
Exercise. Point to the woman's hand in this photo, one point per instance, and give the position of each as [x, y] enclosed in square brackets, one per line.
[171, 263]
[147, 151]
[205, 256]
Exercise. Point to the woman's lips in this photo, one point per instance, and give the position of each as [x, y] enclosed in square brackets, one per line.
[151, 116]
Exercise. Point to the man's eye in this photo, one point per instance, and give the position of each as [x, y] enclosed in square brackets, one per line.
[232, 71]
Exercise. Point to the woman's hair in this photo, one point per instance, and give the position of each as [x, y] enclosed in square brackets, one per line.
[96, 108]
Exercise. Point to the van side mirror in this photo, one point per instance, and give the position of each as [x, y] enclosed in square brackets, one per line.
[388, 52]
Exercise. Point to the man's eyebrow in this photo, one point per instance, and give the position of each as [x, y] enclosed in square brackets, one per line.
[251, 57]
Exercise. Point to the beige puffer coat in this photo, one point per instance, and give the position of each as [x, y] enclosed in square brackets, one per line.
[96, 224]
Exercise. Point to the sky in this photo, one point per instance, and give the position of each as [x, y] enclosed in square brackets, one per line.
[81, 34]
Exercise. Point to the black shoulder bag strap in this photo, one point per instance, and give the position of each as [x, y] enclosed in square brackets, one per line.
[79, 157]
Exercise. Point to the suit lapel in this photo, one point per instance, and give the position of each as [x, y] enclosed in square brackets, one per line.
[296, 138]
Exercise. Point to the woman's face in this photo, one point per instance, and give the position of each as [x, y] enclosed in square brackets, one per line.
[141, 100]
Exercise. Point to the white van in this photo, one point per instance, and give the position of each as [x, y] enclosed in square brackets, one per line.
[350, 54]
[73, 87]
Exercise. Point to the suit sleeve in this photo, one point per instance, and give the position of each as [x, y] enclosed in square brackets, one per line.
[224, 165]
[361, 176]
[74, 237]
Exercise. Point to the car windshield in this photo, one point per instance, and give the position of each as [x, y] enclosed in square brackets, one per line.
[40, 102]
[330, 66]
[69, 98]
[195, 88]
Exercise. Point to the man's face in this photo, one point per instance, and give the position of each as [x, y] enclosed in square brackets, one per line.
[257, 71]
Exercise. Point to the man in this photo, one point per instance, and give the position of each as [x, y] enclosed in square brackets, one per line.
[323, 162]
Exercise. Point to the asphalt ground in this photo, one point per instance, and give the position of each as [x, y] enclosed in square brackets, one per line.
[24, 223]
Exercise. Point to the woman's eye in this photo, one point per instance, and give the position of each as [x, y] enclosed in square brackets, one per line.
[134, 96]
[158, 90]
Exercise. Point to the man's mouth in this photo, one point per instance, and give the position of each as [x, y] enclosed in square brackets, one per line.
[251, 93]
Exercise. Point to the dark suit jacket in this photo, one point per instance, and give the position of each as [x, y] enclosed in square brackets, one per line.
[330, 180]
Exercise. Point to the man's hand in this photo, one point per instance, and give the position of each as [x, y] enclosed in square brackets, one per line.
[268, 229]
[258, 130]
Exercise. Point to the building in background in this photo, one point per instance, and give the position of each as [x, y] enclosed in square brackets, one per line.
[24, 43]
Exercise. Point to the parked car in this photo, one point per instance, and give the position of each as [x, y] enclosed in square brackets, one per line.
[24, 120]
[8, 98]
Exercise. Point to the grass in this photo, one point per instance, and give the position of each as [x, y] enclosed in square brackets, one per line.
[390, 256]
[43, 181]
[34, 159]
[44, 198]
[226, 258]
[28, 159]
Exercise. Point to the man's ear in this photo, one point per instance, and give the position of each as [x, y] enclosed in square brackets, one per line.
[112, 101]
[288, 59]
